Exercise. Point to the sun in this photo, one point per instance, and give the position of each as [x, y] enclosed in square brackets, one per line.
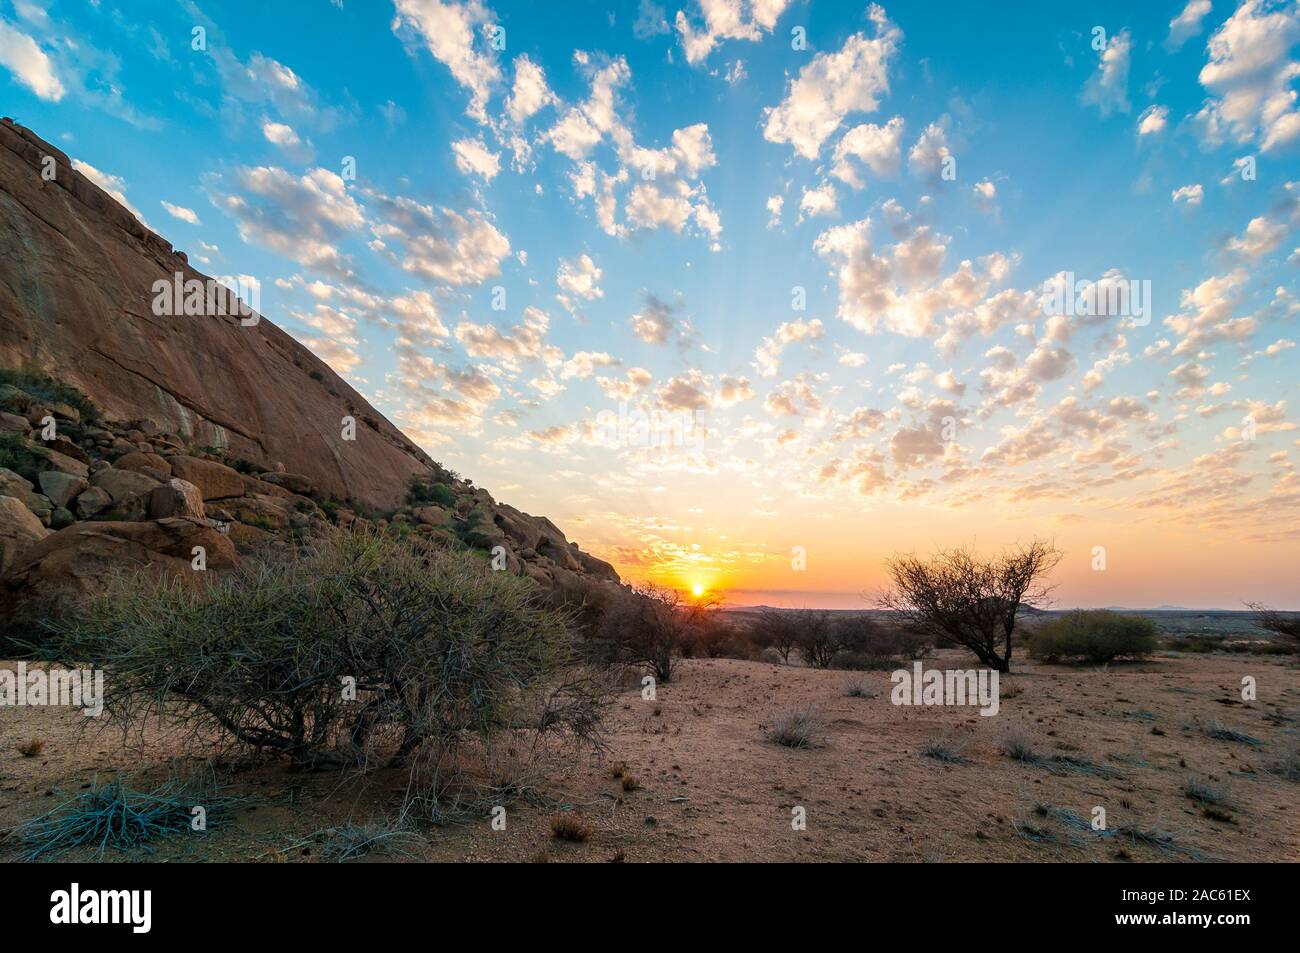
[697, 590]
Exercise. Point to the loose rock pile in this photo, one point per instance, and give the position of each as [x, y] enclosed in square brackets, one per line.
[83, 497]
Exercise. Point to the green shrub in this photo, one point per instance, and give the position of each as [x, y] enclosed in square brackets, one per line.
[864, 662]
[20, 456]
[1094, 635]
[47, 390]
[423, 492]
[438, 648]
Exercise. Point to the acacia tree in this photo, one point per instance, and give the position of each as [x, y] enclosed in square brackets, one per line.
[776, 629]
[1285, 624]
[819, 637]
[958, 597]
[650, 625]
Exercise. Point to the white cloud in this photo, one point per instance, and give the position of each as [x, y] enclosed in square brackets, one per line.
[723, 20]
[818, 201]
[1190, 195]
[474, 158]
[438, 244]
[449, 31]
[1249, 74]
[182, 213]
[767, 357]
[688, 391]
[1187, 24]
[1107, 87]
[986, 194]
[774, 205]
[284, 138]
[733, 390]
[302, 218]
[834, 85]
[1153, 120]
[654, 323]
[530, 93]
[578, 278]
[931, 148]
[28, 63]
[878, 147]
[1262, 235]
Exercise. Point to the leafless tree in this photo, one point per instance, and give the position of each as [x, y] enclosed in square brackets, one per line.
[649, 625]
[959, 597]
[776, 629]
[819, 636]
[1285, 624]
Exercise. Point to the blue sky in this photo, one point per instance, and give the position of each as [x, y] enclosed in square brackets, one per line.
[644, 186]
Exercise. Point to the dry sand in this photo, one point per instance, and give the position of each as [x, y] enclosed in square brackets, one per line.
[712, 788]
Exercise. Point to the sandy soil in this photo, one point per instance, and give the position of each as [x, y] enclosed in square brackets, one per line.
[712, 788]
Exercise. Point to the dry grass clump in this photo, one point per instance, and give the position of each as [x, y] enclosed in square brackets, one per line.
[571, 827]
[795, 729]
[943, 751]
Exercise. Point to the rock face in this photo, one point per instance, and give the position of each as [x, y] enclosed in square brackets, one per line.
[76, 278]
[210, 431]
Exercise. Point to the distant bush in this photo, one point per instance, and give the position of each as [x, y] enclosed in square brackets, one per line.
[436, 645]
[864, 662]
[1095, 635]
[650, 625]
[20, 456]
[825, 639]
[423, 492]
[1281, 625]
[47, 390]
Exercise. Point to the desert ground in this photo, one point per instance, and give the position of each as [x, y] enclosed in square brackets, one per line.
[708, 786]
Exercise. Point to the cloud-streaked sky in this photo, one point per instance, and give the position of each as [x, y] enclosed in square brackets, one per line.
[835, 239]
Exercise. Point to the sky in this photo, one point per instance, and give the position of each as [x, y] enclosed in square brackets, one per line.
[752, 295]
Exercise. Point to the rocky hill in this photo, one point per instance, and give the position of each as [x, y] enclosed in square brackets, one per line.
[129, 436]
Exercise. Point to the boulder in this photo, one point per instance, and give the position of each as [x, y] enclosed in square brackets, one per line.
[64, 568]
[293, 482]
[215, 480]
[61, 517]
[14, 423]
[19, 529]
[432, 515]
[67, 448]
[65, 464]
[121, 485]
[176, 498]
[11, 484]
[91, 502]
[135, 460]
[253, 485]
[61, 488]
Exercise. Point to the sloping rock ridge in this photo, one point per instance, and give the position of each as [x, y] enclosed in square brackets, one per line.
[131, 438]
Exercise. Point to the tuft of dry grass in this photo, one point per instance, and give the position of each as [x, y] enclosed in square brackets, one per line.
[795, 729]
[32, 748]
[1223, 733]
[857, 688]
[1206, 792]
[571, 827]
[943, 751]
[631, 784]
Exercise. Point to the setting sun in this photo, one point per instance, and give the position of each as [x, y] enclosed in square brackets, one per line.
[697, 590]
